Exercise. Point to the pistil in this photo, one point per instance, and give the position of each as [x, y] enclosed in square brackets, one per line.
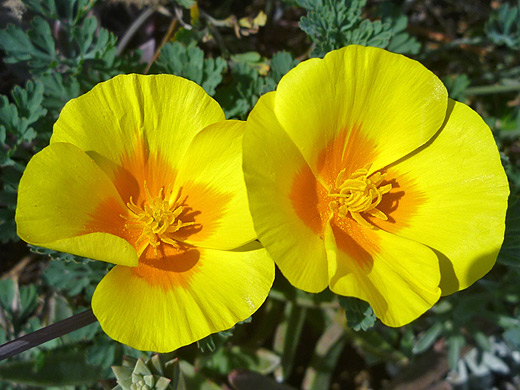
[158, 218]
[358, 194]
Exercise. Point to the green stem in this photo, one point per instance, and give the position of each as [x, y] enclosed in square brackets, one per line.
[303, 302]
[491, 89]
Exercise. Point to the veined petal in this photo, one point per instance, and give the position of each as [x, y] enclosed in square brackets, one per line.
[58, 194]
[397, 276]
[463, 190]
[178, 300]
[283, 194]
[393, 105]
[157, 114]
[210, 178]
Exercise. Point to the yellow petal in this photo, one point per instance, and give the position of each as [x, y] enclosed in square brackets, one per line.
[454, 198]
[159, 114]
[58, 196]
[282, 194]
[391, 103]
[398, 277]
[211, 179]
[175, 301]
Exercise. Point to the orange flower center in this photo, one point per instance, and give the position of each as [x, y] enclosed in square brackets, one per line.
[357, 194]
[157, 219]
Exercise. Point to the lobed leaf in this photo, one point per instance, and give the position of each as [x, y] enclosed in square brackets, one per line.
[189, 62]
[360, 315]
[503, 27]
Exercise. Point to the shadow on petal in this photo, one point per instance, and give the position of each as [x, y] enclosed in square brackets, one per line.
[172, 267]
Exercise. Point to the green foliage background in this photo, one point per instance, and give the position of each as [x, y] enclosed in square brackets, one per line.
[62, 48]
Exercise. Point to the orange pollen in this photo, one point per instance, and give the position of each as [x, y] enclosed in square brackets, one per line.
[157, 219]
[359, 193]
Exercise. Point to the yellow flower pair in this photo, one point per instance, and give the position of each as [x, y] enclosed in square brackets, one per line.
[360, 175]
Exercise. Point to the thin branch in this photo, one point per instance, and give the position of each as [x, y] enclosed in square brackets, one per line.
[178, 14]
[48, 333]
[165, 40]
[133, 29]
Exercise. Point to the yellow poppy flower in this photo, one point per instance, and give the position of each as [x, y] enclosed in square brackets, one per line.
[364, 177]
[143, 172]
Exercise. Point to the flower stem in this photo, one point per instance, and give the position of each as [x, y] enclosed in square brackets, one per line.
[303, 302]
[48, 333]
[490, 89]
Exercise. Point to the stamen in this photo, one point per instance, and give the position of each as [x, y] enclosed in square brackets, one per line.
[157, 219]
[359, 193]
